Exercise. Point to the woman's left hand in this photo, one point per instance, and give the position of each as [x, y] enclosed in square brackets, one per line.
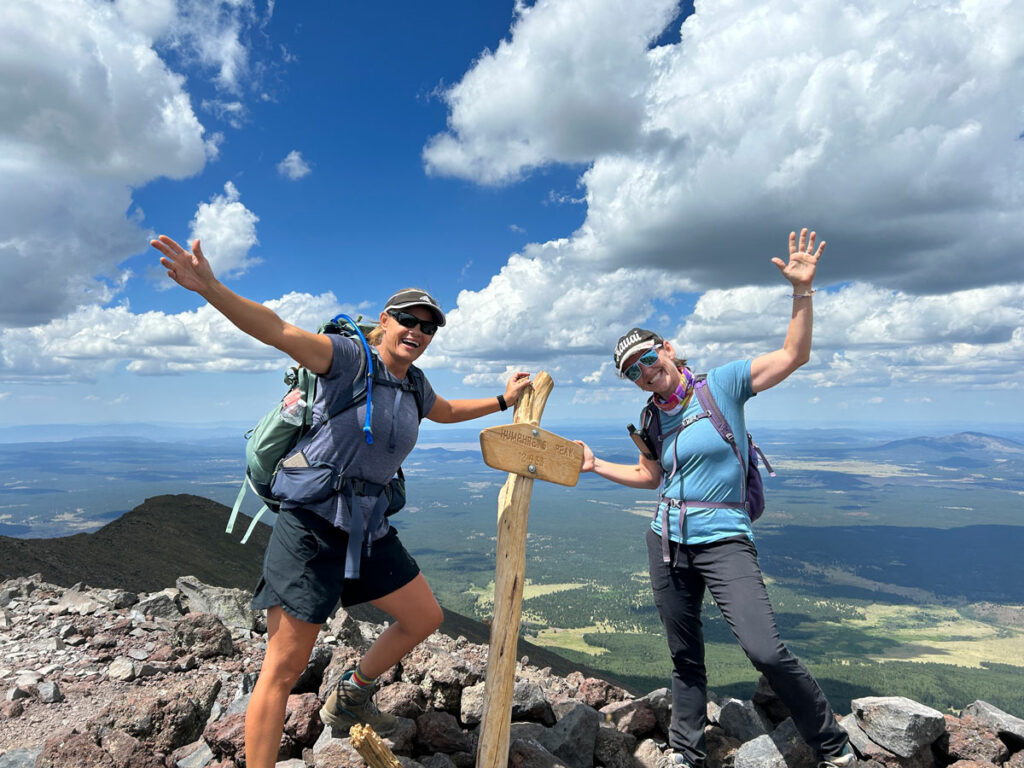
[517, 384]
[803, 260]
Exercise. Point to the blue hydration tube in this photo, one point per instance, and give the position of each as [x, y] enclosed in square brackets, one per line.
[367, 429]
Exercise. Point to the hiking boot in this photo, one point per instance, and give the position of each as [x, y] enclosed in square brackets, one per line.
[349, 704]
[672, 759]
[844, 759]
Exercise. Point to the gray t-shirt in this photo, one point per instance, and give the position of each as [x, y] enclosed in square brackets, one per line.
[341, 442]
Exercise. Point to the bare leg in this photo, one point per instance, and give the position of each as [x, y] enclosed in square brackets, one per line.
[416, 613]
[289, 643]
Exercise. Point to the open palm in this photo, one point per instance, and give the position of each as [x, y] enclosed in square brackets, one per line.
[803, 259]
[190, 270]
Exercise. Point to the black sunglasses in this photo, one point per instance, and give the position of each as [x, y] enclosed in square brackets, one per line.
[407, 320]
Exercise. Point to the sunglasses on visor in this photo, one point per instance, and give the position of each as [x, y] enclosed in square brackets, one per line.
[407, 320]
[647, 359]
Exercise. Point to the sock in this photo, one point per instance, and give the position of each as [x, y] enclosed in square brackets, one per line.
[360, 679]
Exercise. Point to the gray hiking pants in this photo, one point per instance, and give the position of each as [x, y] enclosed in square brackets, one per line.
[729, 570]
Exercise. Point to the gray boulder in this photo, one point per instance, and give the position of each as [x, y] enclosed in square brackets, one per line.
[527, 753]
[795, 751]
[165, 604]
[741, 720]
[613, 748]
[202, 634]
[440, 732]
[1004, 724]
[472, 704]
[529, 703]
[759, 753]
[898, 724]
[574, 737]
[634, 716]
[661, 704]
[19, 758]
[49, 693]
[231, 606]
[78, 599]
[123, 669]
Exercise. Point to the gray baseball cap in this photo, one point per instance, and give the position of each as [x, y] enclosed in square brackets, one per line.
[415, 297]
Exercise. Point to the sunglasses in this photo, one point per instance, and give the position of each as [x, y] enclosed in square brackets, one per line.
[647, 359]
[406, 320]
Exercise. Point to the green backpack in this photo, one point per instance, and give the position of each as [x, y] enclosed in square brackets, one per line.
[279, 432]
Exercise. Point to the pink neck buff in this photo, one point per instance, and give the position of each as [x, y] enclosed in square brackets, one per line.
[678, 400]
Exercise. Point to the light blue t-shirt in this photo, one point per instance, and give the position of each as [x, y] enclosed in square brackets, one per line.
[706, 466]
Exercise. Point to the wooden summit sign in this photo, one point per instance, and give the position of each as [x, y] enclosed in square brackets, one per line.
[527, 453]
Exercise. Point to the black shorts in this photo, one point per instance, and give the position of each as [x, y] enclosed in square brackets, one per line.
[304, 568]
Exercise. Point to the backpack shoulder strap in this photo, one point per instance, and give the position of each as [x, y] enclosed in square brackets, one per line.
[418, 384]
[707, 402]
[356, 393]
[415, 382]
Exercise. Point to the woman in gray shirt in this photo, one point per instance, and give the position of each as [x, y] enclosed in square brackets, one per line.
[309, 564]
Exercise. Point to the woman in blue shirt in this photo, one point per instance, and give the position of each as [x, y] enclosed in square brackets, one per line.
[692, 547]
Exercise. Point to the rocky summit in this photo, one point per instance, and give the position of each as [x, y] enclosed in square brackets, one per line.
[111, 678]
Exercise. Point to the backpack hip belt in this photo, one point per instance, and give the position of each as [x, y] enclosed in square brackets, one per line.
[360, 528]
[683, 505]
[316, 484]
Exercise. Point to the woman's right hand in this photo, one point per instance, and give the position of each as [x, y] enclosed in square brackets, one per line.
[189, 270]
[588, 457]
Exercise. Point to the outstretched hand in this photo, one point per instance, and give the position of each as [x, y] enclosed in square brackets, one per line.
[803, 260]
[588, 457]
[515, 387]
[189, 270]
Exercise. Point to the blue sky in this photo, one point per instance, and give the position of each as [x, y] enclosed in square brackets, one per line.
[554, 172]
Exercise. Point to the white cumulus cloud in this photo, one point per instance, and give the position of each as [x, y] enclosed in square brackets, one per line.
[293, 166]
[892, 127]
[93, 341]
[227, 231]
[89, 110]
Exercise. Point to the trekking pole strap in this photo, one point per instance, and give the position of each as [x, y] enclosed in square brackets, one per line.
[252, 524]
[237, 506]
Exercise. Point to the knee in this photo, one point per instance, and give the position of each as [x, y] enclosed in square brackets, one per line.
[769, 658]
[429, 621]
[281, 673]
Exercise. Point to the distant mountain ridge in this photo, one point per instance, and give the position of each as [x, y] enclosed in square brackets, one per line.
[165, 537]
[145, 550]
[961, 441]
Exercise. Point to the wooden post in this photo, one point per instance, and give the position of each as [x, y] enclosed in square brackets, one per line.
[509, 572]
[372, 748]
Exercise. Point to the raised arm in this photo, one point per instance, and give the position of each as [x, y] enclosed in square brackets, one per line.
[768, 370]
[192, 271]
[452, 411]
[644, 474]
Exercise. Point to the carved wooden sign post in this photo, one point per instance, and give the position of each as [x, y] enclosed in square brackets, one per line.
[527, 452]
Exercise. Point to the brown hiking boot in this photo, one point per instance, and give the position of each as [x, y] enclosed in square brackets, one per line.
[349, 704]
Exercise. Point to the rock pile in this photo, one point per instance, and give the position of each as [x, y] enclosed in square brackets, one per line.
[106, 678]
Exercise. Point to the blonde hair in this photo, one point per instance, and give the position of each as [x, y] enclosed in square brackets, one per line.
[376, 336]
